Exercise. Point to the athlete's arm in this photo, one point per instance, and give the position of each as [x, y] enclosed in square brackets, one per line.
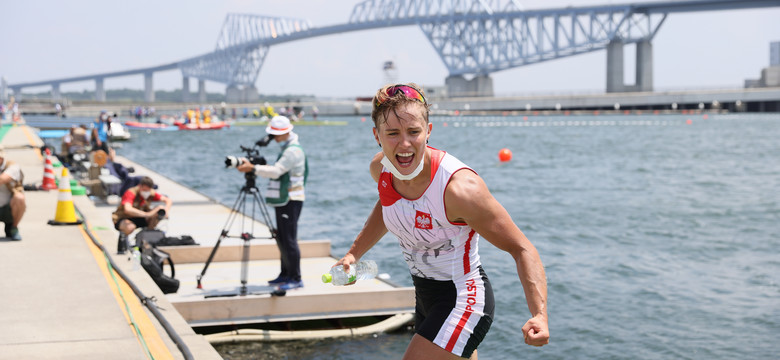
[468, 200]
[373, 229]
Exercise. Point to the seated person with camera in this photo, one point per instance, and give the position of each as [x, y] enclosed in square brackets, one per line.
[135, 211]
[12, 202]
[286, 194]
[74, 145]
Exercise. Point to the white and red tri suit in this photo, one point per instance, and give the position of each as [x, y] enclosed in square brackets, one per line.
[454, 297]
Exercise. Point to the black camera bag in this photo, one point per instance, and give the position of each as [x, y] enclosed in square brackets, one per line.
[177, 241]
[153, 261]
[148, 236]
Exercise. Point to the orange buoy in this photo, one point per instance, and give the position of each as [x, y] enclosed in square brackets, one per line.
[504, 155]
[689, 121]
[363, 119]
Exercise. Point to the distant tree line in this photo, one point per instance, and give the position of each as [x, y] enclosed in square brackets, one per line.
[137, 96]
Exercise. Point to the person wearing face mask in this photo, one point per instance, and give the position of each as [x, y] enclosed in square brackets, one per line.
[438, 208]
[286, 194]
[135, 211]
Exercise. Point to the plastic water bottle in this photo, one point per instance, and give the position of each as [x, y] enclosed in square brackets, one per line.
[362, 270]
[136, 259]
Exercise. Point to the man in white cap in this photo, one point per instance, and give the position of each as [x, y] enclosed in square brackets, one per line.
[12, 204]
[286, 194]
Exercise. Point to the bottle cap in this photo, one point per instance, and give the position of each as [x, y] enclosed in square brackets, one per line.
[326, 278]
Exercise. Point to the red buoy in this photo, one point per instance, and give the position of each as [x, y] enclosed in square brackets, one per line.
[504, 155]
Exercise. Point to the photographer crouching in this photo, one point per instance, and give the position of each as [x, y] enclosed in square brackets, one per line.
[286, 194]
[135, 211]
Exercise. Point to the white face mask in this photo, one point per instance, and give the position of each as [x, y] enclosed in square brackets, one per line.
[389, 165]
[145, 194]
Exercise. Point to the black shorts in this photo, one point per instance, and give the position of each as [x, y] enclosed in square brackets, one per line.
[455, 315]
[103, 146]
[138, 221]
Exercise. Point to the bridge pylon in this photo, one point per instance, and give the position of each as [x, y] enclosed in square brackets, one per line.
[478, 86]
[241, 94]
[644, 67]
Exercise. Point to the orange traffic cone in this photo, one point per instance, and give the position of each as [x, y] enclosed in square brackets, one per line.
[66, 213]
[48, 176]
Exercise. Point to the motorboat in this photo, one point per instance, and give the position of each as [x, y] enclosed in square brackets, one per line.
[117, 132]
[204, 126]
[150, 126]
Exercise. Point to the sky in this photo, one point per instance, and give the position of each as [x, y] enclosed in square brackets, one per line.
[52, 39]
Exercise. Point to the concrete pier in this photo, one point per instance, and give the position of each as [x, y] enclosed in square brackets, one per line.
[149, 87]
[201, 90]
[185, 89]
[59, 299]
[644, 67]
[100, 90]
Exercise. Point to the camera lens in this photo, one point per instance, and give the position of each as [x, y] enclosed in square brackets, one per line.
[160, 214]
[231, 161]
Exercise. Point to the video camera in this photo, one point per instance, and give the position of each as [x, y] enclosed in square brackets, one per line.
[252, 154]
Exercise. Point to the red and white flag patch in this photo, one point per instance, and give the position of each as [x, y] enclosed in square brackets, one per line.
[423, 221]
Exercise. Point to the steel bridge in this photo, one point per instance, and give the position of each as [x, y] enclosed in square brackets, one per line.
[473, 38]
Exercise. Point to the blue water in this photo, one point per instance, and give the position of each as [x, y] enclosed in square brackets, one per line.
[661, 239]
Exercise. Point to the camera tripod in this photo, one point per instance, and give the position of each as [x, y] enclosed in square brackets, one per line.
[239, 209]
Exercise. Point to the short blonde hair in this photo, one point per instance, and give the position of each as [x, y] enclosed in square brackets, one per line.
[383, 103]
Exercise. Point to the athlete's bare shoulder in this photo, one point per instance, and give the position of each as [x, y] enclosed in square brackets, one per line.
[376, 166]
[466, 194]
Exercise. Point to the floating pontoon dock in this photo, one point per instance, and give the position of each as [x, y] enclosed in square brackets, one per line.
[202, 218]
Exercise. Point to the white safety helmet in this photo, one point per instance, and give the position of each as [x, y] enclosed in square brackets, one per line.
[279, 125]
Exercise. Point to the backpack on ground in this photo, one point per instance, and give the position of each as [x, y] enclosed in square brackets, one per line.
[153, 261]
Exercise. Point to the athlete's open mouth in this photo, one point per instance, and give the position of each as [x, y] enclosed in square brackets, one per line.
[404, 159]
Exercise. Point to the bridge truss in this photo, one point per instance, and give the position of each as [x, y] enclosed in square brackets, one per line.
[481, 37]
[471, 36]
[242, 46]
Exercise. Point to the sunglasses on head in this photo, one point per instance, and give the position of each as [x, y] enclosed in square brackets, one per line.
[406, 90]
